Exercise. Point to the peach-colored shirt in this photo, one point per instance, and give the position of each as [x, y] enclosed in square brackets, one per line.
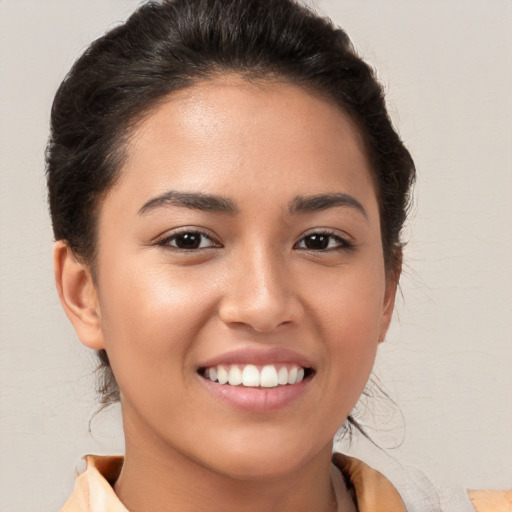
[374, 492]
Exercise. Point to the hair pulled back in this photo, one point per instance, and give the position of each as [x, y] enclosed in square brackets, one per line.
[169, 45]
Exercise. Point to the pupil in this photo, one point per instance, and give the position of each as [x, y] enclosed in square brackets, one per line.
[317, 242]
[188, 241]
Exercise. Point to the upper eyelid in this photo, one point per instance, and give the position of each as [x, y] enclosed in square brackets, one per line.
[330, 235]
[180, 231]
[342, 235]
[337, 233]
[346, 242]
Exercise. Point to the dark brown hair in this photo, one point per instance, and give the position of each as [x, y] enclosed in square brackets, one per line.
[172, 44]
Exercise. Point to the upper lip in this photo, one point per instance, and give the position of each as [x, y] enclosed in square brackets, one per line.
[260, 356]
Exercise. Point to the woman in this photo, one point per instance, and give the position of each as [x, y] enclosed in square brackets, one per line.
[227, 195]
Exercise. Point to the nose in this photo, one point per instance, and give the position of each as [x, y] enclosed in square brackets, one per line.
[260, 292]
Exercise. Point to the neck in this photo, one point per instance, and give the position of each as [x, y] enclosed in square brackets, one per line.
[157, 477]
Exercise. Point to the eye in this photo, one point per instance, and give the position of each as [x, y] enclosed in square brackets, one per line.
[188, 241]
[323, 242]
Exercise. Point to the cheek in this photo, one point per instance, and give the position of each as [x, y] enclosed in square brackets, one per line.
[349, 319]
[151, 315]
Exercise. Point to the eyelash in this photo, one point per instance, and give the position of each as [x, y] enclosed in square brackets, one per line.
[167, 241]
[342, 243]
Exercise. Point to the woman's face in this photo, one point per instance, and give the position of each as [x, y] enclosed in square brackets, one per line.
[244, 231]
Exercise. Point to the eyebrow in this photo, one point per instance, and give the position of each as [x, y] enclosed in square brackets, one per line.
[219, 204]
[305, 204]
[193, 200]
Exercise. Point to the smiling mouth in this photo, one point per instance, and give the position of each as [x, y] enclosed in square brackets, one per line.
[256, 376]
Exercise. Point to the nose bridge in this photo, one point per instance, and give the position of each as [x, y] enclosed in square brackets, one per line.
[265, 270]
[260, 292]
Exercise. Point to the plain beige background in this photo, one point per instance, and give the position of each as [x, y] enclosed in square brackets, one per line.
[447, 66]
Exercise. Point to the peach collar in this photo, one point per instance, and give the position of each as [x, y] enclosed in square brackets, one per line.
[93, 488]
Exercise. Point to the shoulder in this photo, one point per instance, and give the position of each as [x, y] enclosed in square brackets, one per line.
[373, 490]
[491, 501]
[399, 489]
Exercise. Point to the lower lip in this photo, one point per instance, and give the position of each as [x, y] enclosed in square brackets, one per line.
[258, 399]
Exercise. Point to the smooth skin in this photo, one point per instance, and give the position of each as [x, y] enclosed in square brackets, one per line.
[177, 285]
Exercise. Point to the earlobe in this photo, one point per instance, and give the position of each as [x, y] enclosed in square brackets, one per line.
[78, 295]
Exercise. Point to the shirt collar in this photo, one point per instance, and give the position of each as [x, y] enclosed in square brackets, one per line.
[93, 488]
[372, 489]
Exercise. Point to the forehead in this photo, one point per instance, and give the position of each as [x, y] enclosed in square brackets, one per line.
[227, 133]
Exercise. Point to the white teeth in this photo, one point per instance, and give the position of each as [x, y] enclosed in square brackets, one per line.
[282, 376]
[222, 375]
[268, 377]
[235, 376]
[250, 376]
[292, 375]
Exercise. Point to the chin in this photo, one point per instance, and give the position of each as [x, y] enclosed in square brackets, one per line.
[274, 459]
[260, 468]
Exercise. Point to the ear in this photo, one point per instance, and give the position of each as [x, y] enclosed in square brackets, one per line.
[392, 278]
[78, 295]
